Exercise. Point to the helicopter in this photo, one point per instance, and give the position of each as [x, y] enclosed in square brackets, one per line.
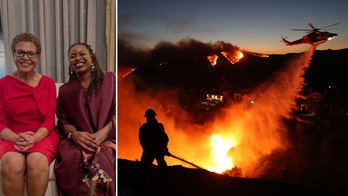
[314, 36]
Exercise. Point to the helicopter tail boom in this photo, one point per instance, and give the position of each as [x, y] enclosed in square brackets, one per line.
[286, 42]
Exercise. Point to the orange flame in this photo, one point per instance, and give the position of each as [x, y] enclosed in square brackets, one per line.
[220, 147]
[233, 57]
[124, 72]
[213, 59]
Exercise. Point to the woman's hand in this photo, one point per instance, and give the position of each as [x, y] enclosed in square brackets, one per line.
[85, 140]
[26, 141]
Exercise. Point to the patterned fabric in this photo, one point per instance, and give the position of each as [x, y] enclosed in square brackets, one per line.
[96, 178]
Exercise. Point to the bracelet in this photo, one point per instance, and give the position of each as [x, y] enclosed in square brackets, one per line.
[70, 133]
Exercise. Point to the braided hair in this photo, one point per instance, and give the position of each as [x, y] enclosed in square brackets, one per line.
[97, 76]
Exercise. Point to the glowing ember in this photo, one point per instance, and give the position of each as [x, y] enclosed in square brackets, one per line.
[221, 146]
[124, 72]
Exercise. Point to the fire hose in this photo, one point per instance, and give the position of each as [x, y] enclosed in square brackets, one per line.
[183, 160]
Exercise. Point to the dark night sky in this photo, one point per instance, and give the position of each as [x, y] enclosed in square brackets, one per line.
[252, 25]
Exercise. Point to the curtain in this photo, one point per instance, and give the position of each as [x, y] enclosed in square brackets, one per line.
[111, 35]
[58, 24]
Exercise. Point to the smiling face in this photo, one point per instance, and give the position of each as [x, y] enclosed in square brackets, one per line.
[80, 60]
[25, 63]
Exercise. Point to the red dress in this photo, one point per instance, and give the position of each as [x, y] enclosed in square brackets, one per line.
[25, 108]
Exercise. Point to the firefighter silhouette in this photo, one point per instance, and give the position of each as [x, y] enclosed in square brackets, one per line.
[153, 140]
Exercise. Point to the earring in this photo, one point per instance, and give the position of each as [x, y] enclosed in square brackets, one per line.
[92, 68]
[70, 71]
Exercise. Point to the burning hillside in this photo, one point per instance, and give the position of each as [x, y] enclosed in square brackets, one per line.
[246, 138]
[239, 136]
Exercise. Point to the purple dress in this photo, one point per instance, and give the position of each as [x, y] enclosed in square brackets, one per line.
[73, 172]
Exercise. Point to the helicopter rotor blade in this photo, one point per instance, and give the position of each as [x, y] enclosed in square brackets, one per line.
[330, 25]
[311, 25]
[293, 29]
[313, 28]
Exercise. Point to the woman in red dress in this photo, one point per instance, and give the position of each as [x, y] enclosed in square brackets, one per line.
[86, 112]
[28, 142]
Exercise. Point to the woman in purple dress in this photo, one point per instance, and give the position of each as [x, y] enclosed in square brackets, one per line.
[86, 112]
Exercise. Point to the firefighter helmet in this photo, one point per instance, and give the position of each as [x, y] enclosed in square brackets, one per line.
[150, 113]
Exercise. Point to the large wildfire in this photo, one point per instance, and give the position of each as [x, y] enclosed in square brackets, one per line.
[236, 141]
